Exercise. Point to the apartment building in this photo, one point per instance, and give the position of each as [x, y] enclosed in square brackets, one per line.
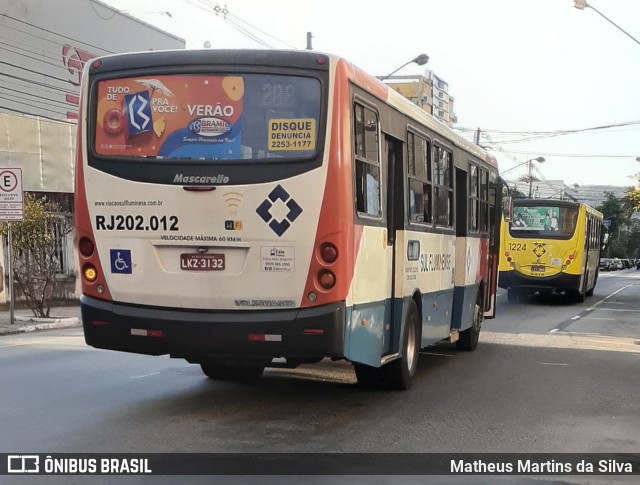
[428, 91]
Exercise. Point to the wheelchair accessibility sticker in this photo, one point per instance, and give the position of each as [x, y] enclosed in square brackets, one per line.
[120, 261]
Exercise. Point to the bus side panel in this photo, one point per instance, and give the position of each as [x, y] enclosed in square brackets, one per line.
[436, 283]
[83, 227]
[335, 223]
[471, 268]
[436, 317]
[370, 296]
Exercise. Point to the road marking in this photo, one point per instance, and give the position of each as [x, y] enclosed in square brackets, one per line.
[551, 363]
[618, 310]
[144, 375]
[600, 318]
[573, 319]
[590, 334]
[600, 302]
[564, 340]
[49, 341]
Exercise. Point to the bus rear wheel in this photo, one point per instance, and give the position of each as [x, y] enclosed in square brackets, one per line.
[399, 373]
[231, 373]
[469, 338]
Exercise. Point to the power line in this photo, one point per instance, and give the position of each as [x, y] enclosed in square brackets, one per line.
[504, 137]
[38, 83]
[38, 59]
[570, 155]
[245, 28]
[50, 100]
[36, 115]
[54, 33]
[23, 103]
[551, 132]
[39, 73]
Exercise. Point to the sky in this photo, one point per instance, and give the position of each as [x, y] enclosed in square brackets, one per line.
[517, 69]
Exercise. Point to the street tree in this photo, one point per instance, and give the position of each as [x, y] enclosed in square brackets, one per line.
[613, 211]
[631, 200]
[35, 252]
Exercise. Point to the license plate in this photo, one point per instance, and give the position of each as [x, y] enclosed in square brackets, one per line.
[537, 269]
[202, 262]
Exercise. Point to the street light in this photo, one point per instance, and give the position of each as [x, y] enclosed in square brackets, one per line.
[582, 4]
[421, 60]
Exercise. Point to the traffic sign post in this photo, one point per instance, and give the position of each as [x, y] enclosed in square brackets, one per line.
[11, 210]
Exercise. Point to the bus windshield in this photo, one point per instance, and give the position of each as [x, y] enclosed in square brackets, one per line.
[549, 221]
[207, 117]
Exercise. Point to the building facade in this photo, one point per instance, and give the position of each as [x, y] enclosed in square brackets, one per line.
[430, 92]
[45, 47]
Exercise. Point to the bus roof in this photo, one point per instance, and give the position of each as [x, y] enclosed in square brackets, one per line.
[288, 58]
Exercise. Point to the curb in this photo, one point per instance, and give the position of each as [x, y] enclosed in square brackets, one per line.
[41, 324]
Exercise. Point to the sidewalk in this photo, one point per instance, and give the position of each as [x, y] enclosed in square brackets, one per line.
[24, 321]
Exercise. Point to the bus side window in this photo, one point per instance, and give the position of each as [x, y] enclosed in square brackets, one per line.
[484, 200]
[444, 187]
[367, 161]
[474, 203]
[419, 165]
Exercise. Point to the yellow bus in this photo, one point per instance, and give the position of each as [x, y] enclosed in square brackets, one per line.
[549, 246]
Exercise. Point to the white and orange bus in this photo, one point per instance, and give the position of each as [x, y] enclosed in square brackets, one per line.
[236, 207]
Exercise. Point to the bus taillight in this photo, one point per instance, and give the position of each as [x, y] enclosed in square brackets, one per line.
[90, 273]
[86, 247]
[329, 253]
[326, 279]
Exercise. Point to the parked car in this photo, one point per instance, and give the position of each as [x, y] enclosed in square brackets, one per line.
[617, 264]
[605, 264]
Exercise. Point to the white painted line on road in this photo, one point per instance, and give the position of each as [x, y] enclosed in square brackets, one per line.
[600, 302]
[618, 310]
[590, 334]
[551, 363]
[599, 318]
[145, 375]
[52, 340]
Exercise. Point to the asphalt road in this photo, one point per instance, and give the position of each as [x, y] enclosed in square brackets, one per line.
[549, 376]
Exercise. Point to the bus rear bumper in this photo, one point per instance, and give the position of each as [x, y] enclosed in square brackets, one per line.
[559, 282]
[301, 334]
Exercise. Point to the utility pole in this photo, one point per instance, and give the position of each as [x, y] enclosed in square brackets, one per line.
[309, 37]
[539, 160]
[476, 138]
